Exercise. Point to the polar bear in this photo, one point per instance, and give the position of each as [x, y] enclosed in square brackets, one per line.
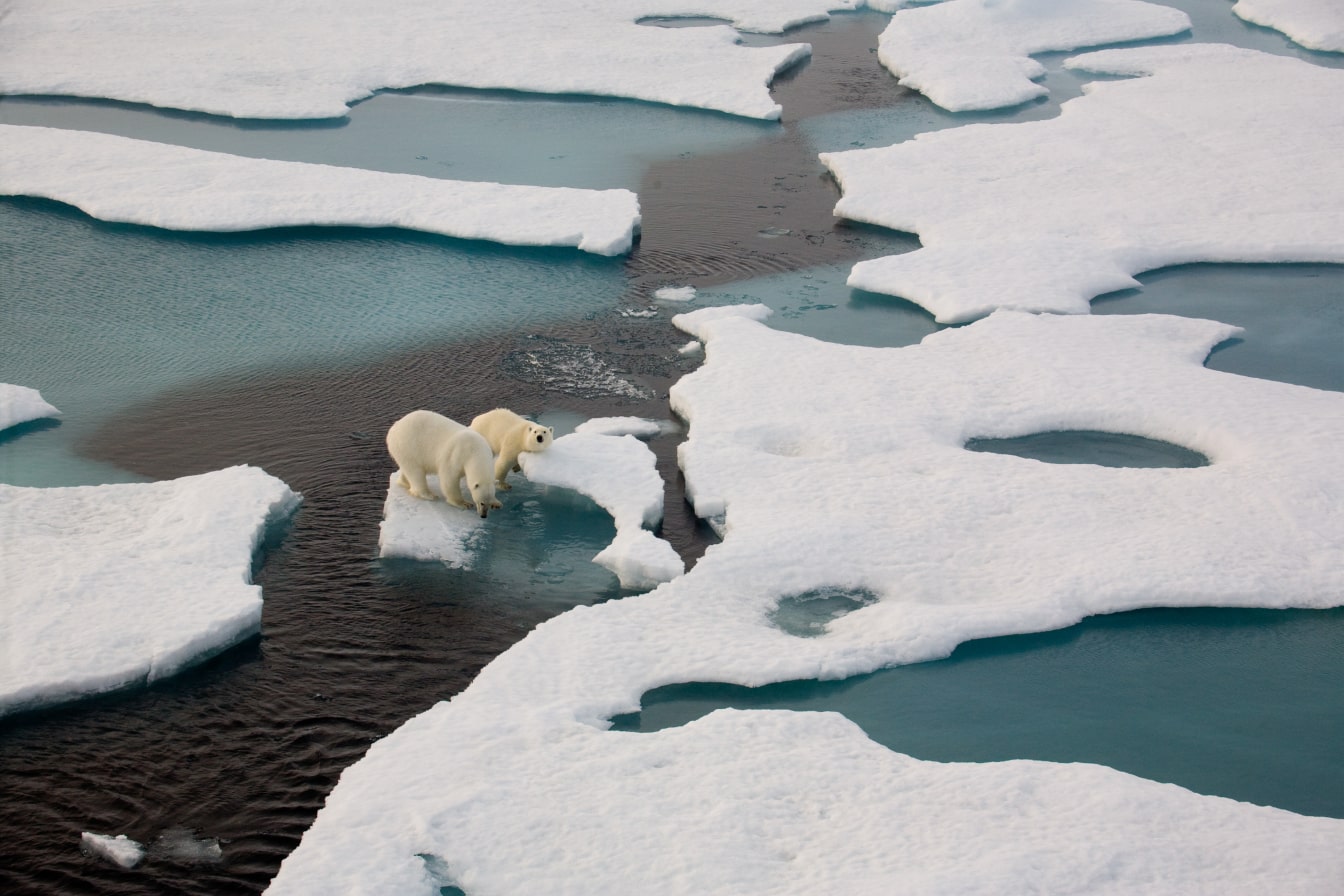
[510, 435]
[424, 442]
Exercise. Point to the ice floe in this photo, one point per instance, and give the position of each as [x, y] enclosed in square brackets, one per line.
[675, 294]
[135, 181]
[609, 464]
[258, 59]
[970, 55]
[429, 530]
[1315, 24]
[846, 468]
[1167, 168]
[20, 404]
[113, 585]
[119, 850]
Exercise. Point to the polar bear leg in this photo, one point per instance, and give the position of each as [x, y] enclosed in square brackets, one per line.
[507, 460]
[414, 482]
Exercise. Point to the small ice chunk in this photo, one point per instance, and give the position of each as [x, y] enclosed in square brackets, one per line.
[675, 294]
[693, 347]
[428, 530]
[119, 850]
[181, 845]
[20, 404]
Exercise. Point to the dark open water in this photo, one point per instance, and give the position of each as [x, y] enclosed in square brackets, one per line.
[245, 748]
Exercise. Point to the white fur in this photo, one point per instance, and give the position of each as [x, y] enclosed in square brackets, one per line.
[510, 435]
[424, 442]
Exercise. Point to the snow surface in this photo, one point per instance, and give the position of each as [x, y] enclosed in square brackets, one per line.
[114, 585]
[429, 530]
[1315, 24]
[119, 850]
[310, 59]
[135, 181]
[1168, 168]
[20, 404]
[640, 427]
[847, 468]
[970, 55]
[618, 471]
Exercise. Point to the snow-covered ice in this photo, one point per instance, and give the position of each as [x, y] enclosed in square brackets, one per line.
[1166, 168]
[640, 427]
[609, 464]
[260, 59]
[20, 404]
[1315, 24]
[968, 55]
[113, 585]
[119, 850]
[846, 468]
[135, 181]
[429, 530]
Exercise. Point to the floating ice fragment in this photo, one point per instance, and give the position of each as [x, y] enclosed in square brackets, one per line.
[1251, 175]
[675, 294]
[1315, 24]
[975, 54]
[135, 181]
[619, 473]
[119, 850]
[114, 585]
[20, 404]
[691, 348]
[640, 427]
[181, 845]
[259, 59]
[428, 530]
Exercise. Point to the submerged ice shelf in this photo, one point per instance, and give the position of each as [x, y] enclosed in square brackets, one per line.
[21, 404]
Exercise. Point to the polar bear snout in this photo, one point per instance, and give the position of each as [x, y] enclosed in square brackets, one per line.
[540, 439]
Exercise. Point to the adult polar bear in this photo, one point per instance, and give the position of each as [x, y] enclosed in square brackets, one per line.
[510, 435]
[424, 442]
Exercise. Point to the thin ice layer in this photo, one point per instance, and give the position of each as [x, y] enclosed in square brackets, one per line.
[138, 182]
[310, 59]
[110, 586]
[1169, 168]
[436, 531]
[20, 404]
[968, 55]
[846, 468]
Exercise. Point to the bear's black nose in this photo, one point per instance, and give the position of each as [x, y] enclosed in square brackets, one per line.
[540, 439]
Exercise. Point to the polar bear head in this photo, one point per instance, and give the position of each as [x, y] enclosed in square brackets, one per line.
[538, 437]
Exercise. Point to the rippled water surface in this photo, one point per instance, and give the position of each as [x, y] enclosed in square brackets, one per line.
[293, 350]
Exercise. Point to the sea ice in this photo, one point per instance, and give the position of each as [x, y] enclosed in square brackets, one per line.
[846, 468]
[640, 427]
[113, 585]
[1315, 24]
[675, 294]
[428, 530]
[259, 59]
[20, 404]
[135, 181]
[615, 469]
[1164, 169]
[119, 850]
[968, 55]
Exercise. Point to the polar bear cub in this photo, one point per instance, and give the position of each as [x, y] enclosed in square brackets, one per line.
[424, 442]
[510, 435]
